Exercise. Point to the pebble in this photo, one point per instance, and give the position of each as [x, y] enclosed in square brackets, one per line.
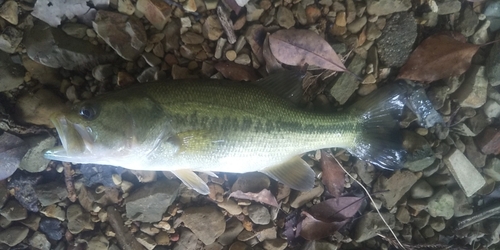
[437, 223]
[403, 215]
[36, 108]
[446, 7]
[285, 17]
[150, 201]
[492, 66]
[275, 244]
[371, 224]
[54, 211]
[386, 7]
[123, 235]
[126, 7]
[392, 189]
[206, 222]
[52, 228]
[259, 214]
[421, 220]
[146, 241]
[254, 12]
[306, 196]
[162, 238]
[472, 93]
[230, 206]
[421, 189]
[358, 24]
[492, 168]
[192, 38]
[397, 39]
[467, 22]
[39, 241]
[243, 59]
[157, 12]
[102, 72]
[212, 28]
[466, 175]
[8, 11]
[11, 73]
[481, 36]
[231, 55]
[463, 205]
[32, 222]
[441, 204]
[13, 235]
[347, 84]
[253, 182]
[312, 14]
[187, 240]
[77, 30]
[233, 229]
[10, 38]
[125, 34]
[13, 211]
[78, 220]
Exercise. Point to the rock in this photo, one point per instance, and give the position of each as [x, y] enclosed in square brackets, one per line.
[492, 109]
[275, 244]
[463, 205]
[149, 202]
[472, 92]
[421, 189]
[466, 175]
[472, 153]
[144, 176]
[32, 162]
[78, 220]
[102, 72]
[233, 228]
[267, 232]
[357, 25]
[146, 241]
[54, 48]
[206, 222]
[52, 228]
[212, 28]
[489, 141]
[385, 7]
[403, 215]
[347, 84]
[481, 36]
[22, 184]
[230, 206]
[124, 237]
[180, 72]
[437, 223]
[285, 18]
[319, 245]
[371, 224]
[421, 220]
[492, 66]
[187, 240]
[162, 238]
[42, 73]
[4, 192]
[254, 12]
[11, 73]
[156, 11]
[77, 30]
[396, 41]
[98, 242]
[259, 214]
[312, 14]
[10, 38]
[125, 34]
[39, 241]
[126, 7]
[99, 174]
[366, 171]
[54, 211]
[13, 211]
[36, 108]
[441, 204]
[395, 187]
[446, 7]
[32, 222]
[192, 38]
[306, 196]
[492, 168]
[8, 11]
[251, 182]
[13, 235]
[467, 22]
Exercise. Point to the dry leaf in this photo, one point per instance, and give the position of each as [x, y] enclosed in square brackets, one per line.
[272, 65]
[437, 57]
[333, 175]
[263, 196]
[12, 150]
[255, 36]
[327, 217]
[299, 47]
[236, 72]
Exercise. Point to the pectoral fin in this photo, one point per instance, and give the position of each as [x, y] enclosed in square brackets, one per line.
[295, 173]
[196, 141]
[192, 180]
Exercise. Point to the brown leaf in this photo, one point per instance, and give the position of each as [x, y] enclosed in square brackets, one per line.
[255, 36]
[328, 216]
[272, 64]
[298, 47]
[263, 196]
[12, 150]
[333, 175]
[437, 57]
[236, 72]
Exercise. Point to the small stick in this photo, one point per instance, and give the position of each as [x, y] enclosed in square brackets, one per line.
[68, 179]
[479, 216]
[373, 202]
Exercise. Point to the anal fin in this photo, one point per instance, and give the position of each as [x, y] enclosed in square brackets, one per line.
[295, 173]
[192, 180]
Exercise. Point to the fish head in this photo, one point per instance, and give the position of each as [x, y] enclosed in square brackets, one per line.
[111, 130]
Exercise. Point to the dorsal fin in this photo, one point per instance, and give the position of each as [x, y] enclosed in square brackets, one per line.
[285, 83]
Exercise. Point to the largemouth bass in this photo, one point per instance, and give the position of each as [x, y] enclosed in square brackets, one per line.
[222, 126]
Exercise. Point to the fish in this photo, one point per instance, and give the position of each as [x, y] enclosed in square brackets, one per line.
[208, 125]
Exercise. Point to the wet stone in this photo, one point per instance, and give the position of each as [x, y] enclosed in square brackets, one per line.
[52, 228]
[492, 168]
[24, 192]
[285, 17]
[230, 206]
[467, 22]
[446, 7]
[207, 222]
[157, 12]
[125, 34]
[54, 211]
[233, 228]
[39, 241]
[32, 222]
[441, 204]
[13, 235]
[347, 84]
[395, 187]
[99, 174]
[10, 38]
[78, 220]
[385, 7]
[472, 93]
[396, 41]
[11, 73]
[466, 175]
[8, 11]
[32, 162]
[187, 240]
[102, 72]
[259, 214]
[437, 223]
[251, 182]
[421, 189]
[462, 205]
[36, 108]
[13, 211]
[421, 220]
[149, 202]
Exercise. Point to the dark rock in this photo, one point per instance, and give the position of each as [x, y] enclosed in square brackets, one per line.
[52, 228]
[125, 34]
[42, 73]
[187, 240]
[251, 182]
[99, 174]
[472, 153]
[10, 38]
[13, 211]
[493, 64]
[346, 84]
[233, 228]
[124, 237]
[13, 235]
[33, 161]
[396, 41]
[468, 21]
[206, 222]
[489, 141]
[371, 224]
[51, 193]
[23, 184]
[149, 202]
[11, 73]
[12, 150]
[54, 48]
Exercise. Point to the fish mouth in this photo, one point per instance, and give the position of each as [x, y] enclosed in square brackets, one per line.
[76, 140]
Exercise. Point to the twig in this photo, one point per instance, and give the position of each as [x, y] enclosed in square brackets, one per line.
[477, 217]
[419, 246]
[68, 179]
[373, 202]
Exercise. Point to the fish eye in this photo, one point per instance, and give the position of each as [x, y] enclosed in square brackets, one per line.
[88, 112]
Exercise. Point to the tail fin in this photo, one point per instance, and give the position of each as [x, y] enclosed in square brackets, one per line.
[380, 140]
